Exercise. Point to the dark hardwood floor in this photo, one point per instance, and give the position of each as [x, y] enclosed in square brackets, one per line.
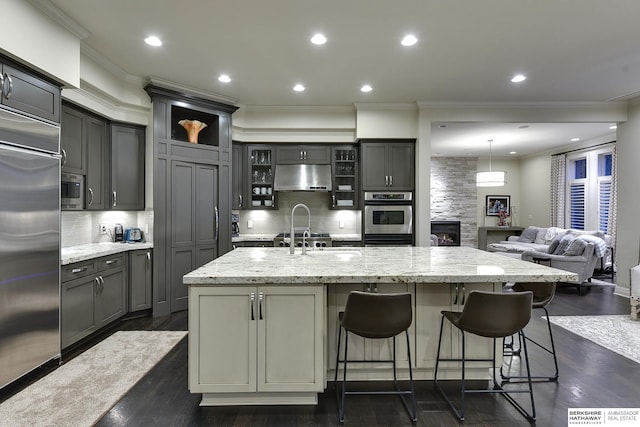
[590, 376]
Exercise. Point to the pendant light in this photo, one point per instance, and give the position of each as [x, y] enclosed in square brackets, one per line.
[490, 178]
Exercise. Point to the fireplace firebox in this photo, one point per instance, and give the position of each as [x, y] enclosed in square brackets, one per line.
[448, 232]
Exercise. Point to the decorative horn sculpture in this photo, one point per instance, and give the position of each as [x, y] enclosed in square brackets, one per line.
[193, 128]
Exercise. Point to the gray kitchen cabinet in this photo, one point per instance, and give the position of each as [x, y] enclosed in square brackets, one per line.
[73, 140]
[195, 229]
[192, 190]
[306, 154]
[344, 165]
[387, 165]
[127, 167]
[260, 175]
[27, 93]
[93, 294]
[96, 182]
[238, 172]
[140, 280]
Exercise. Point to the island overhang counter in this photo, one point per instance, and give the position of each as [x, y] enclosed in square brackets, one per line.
[263, 322]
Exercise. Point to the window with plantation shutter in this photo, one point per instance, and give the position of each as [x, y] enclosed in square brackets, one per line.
[589, 185]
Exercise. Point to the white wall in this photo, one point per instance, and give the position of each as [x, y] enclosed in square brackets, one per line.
[535, 191]
[628, 169]
[31, 37]
[511, 167]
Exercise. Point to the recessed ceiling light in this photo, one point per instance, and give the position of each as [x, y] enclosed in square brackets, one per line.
[224, 78]
[575, 139]
[409, 40]
[513, 152]
[612, 127]
[366, 88]
[442, 126]
[153, 41]
[318, 39]
[299, 88]
[518, 78]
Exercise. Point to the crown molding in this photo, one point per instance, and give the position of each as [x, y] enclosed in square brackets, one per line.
[178, 87]
[539, 105]
[408, 106]
[61, 18]
[297, 108]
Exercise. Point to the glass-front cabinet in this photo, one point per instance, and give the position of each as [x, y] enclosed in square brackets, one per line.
[344, 161]
[261, 170]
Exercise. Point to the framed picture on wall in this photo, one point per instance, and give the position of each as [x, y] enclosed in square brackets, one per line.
[497, 204]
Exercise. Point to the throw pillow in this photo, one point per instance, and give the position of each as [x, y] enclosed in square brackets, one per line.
[575, 248]
[564, 244]
[554, 243]
[528, 235]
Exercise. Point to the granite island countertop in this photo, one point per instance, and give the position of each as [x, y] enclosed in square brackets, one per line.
[77, 253]
[256, 266]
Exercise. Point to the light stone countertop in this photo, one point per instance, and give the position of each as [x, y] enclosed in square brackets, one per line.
[256, 266]
[244, 237]
[77, 253]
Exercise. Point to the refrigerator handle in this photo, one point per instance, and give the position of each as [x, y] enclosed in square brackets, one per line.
[217, 222]
[1, 85]
[64, 157]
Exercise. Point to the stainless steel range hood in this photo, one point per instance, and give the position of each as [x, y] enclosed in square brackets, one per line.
[302, 178]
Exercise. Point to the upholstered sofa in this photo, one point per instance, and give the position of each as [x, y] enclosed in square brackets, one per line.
[577, 251]
[541, 238]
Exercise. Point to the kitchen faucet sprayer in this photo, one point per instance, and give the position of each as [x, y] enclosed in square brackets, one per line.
[306, 230]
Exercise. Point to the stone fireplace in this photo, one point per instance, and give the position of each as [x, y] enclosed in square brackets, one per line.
[448, 232]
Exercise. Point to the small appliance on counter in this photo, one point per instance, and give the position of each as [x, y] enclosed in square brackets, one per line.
[133, 235]
[235, 228]
[118, 233]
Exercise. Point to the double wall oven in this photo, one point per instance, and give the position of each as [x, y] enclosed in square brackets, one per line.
[388, 218]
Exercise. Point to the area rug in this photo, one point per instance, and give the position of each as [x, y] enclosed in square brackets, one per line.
[80, 392]
[617, 333]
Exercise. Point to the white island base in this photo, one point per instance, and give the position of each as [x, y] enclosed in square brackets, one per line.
[263, 323]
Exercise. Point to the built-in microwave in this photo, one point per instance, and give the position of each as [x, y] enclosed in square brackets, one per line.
[71, 192]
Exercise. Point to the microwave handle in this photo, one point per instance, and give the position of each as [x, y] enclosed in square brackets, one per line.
[91, 198]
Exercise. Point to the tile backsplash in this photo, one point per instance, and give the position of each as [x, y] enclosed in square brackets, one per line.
[323, 219]
[83, 227]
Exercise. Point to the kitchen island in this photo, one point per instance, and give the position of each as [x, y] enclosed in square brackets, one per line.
[263, 322]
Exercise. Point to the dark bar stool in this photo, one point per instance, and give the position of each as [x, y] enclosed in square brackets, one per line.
[376, 316]
[492, 315]
[543, 293]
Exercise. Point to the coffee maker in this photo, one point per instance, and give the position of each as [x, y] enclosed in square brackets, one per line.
[235, 228]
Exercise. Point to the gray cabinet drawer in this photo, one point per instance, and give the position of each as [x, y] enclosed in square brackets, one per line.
[113, 261]
[78, 269]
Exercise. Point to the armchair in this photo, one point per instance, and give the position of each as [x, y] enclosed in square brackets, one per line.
[582, 263]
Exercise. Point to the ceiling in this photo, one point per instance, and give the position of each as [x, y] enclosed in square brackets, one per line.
[467, 52]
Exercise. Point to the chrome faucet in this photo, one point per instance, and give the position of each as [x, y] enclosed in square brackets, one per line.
[306, 233]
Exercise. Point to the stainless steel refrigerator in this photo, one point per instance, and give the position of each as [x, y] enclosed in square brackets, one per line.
[29, 244]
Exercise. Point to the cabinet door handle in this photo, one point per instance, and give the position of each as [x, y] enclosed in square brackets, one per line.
[333, 198]
[240, 199]
[464, 294]
[8, 93]
[217, 223]
[64, 157]
[260, 298]
[78, 270]
[91, 197]
[390, 180]
[110, 261]
[97, 279]
[149, 257]
[386, 180]
[252, 299]
[115, 199]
